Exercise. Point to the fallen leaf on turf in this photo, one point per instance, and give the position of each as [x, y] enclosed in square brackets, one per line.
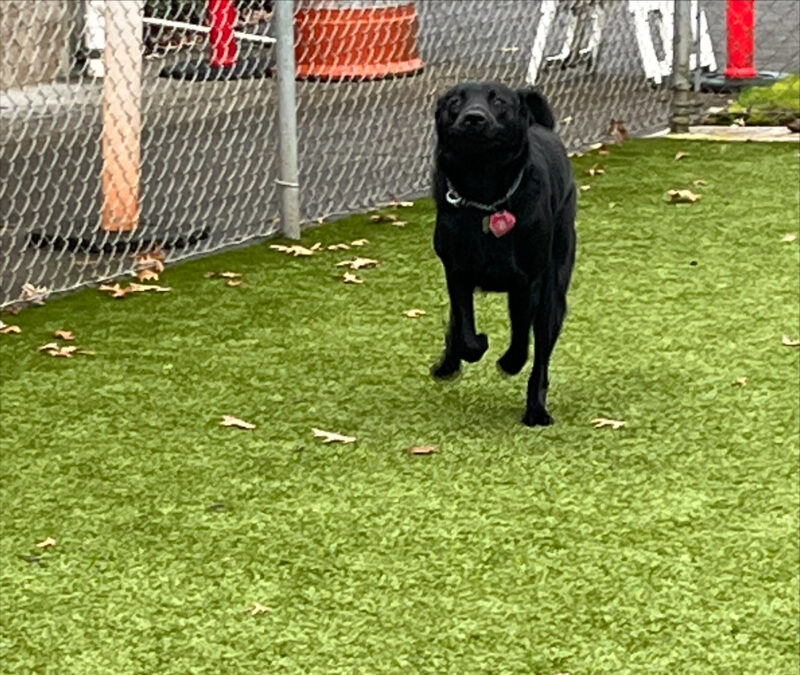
[596, 170]
[47, 543]
[699, 182]
[116, 290]
[383, 218]
[359, 242]
[49, 345]
[680, 155]
[683, 197]
[230, 275]
[790, 342]
[230, 421]
[332, 437]
[209, 275]
[600, 422]
[788, 237]
[603, 150]
[64, 334]
[338, 247]
[295, 250]
[618, 131]
[153, 260]
[358, 263]
[350, 278]
[35, 294]
[423, 449]
[63, 352]
[584, 188]
[10, 330]
[399, 223]
[400, 205]
[147, 275]
[258, 608]
[144, 288]
[316, 247]
[233, 282]
[739, 382]
[414, 313]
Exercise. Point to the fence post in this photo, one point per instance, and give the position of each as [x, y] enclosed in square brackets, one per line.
[681, 73]
[122, 114]
[287, 119]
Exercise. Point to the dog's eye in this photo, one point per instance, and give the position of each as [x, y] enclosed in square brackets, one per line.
[498, 103]
[454, 104]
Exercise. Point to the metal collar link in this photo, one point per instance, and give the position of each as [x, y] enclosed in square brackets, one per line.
[455, 199]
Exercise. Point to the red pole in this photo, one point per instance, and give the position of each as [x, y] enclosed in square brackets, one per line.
[741, 39]
[224, 50]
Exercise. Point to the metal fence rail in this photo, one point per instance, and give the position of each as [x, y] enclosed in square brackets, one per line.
[209, 149]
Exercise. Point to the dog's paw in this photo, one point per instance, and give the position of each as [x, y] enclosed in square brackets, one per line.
[473, 350]
[512, 362]
[448, 368]
[537, 417]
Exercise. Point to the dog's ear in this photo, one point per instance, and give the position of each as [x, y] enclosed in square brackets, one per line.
[441, 106]
[535, 106]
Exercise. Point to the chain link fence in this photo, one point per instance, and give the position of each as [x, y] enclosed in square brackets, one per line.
[369, 72]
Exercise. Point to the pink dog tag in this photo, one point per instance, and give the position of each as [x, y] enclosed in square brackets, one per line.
[501, 223]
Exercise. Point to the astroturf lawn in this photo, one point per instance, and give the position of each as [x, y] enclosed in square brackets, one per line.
[667, 546]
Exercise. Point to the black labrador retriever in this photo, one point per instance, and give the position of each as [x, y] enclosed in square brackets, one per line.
[506, 204]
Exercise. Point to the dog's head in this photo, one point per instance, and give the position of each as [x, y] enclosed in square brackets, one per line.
[486, 116]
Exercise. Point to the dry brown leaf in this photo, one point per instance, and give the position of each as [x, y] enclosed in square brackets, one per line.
[298, 251]
[332, 437]
[144, 288]
[596, 170]
[618, 131]
[739, 382]
[35, 294]
[9, 330]
[316, 247]
[400, 205]
[49, 345]
[230, 421]
[681, 155]
[209, 275]
[258, 608]
[350, 278]
[55, 350]
[154, 260]
[359, 242]
[233, 282]
[383, 218]
[788, 237]
[230, 275]
[423, 449]
[683, 197]
[64, 334]
[339, 247]
[699, 182]
[600, 422]
[358, 263]
[414, 313]
[47, 543]
[603, 150]
[584, 188]
[399, 223]
[147, 275]
[790, 342]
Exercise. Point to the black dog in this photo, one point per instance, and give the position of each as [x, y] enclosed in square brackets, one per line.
[505, 222]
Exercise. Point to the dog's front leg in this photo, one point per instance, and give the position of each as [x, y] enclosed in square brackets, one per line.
[462, 342]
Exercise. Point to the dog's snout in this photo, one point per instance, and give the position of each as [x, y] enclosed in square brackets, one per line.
[474, 119]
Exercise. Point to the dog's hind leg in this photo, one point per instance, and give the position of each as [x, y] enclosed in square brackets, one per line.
[462, 342]
[522, 301]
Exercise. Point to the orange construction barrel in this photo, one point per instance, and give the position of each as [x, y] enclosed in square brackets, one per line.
[356, 40]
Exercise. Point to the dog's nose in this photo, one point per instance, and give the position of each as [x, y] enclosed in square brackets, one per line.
[474, 119]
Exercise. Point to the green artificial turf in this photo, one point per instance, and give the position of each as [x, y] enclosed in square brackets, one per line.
[667, 546]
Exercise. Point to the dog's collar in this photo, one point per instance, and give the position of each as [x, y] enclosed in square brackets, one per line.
[455, 199]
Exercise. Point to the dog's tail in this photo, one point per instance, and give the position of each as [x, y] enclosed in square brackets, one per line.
[538, 108]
